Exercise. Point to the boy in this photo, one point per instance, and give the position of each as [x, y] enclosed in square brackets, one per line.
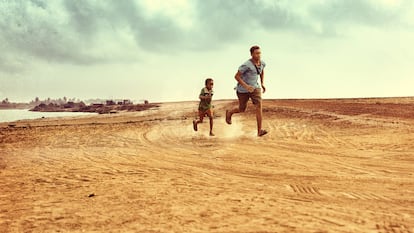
[205, 107]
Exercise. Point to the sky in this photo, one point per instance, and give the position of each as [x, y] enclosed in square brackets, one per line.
[164, 50]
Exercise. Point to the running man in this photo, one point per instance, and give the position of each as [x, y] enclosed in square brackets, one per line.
[248, 87]
[205, 108]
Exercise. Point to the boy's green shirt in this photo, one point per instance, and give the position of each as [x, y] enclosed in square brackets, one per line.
[205, 104]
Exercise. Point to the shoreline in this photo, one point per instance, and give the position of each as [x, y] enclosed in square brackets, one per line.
[282, 105]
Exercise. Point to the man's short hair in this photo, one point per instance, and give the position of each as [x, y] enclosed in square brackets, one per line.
[207, 81]
[253, 48]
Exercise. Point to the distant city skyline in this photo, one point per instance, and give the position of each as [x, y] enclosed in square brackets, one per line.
[163, 50]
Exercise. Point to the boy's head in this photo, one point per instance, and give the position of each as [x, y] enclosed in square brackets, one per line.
[209, 83]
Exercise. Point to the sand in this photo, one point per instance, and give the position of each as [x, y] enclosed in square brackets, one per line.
[326, 166]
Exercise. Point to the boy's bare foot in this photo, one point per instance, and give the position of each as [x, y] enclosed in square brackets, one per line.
[212, 134]
[262, 133]
[195, 125]
[228, 117]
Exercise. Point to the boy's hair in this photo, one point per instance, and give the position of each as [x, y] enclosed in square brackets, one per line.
[253, 48]
[207, 81]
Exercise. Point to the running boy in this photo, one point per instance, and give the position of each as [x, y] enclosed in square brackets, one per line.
[205, 107]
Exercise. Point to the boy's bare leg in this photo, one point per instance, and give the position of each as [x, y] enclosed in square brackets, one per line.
[211, 127]
[210, 115]
[200, 117]
[196, 122]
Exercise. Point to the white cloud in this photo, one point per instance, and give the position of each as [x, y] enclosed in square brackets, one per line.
[91, 32]
[182, 40]
[179, 10]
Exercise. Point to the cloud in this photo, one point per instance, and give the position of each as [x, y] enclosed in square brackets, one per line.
[95, 32]
[224, 21]
[36, 30]
[339, 15]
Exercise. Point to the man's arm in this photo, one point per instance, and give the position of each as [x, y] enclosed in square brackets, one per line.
[262, 81]
[243, 83]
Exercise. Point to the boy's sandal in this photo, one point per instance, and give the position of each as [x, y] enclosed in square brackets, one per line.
[228, 118]
[262, 133]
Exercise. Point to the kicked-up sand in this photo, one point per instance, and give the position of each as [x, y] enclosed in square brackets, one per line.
[340, 165]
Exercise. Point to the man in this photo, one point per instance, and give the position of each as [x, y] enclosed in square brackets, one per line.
[248, 87]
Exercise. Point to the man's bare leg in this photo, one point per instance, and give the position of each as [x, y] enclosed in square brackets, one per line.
[233, 111]
[230, 113]
[259, 118]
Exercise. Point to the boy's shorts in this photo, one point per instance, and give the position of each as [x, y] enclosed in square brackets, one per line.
[256, 97]
[203, 112]
[204, 108]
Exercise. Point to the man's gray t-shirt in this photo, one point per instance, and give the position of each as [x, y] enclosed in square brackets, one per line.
[250, 75]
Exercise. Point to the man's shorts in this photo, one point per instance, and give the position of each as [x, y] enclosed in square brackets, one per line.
[255, 96]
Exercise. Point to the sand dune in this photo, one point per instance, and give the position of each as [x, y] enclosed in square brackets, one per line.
[325, 166]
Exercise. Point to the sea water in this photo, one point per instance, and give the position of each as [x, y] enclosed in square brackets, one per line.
[10, 115]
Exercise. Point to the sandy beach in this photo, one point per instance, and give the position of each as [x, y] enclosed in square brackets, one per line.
[339, 165]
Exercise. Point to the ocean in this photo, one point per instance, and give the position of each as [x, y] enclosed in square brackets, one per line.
[10, 115]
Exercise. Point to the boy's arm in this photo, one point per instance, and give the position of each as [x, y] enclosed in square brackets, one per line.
[203, 97]
[243, 83]
[262, 81]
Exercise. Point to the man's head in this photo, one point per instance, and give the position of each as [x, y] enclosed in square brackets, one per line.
[255, 52]
[209, 83]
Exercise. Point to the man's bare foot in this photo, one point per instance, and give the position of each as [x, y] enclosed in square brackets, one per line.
[262, 133]
[212, 134]
[228, 117]
[195, 125]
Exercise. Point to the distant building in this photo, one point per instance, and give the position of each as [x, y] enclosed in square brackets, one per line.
[69, 104]
[127, 102]
[110, 102]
